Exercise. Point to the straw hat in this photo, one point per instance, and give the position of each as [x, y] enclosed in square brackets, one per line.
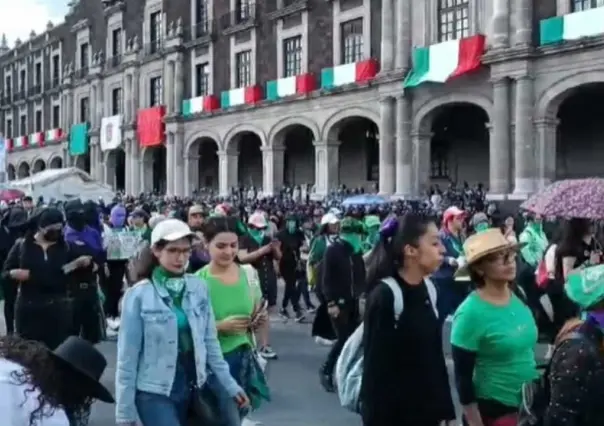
[482, 244]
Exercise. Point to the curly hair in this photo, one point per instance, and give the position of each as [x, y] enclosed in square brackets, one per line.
[57, 387]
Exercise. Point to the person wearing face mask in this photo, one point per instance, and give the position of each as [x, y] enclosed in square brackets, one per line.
[534, 240]
[343, 282]
[291, 266]
[199, 257]
[88, 315]
[43, 264]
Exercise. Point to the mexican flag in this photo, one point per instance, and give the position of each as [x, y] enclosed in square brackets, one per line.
[574, 26]
[290, 86]
[199, 104]
[242, 96]
[342, 75]
[36, 139]
[53, 135]
[441, 62]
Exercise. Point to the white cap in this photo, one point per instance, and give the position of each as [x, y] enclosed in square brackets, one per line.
[170, 230]
[329, 219]
[258, 220]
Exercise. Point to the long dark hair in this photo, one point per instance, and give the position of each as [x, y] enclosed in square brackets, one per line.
[141, 267]
[387, 255]
[218, 224]
[56, 388]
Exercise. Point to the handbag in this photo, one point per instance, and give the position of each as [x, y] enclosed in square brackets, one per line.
[203, 409]
[254, 286]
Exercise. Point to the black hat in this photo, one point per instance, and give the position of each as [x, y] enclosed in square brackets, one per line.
[85, 361]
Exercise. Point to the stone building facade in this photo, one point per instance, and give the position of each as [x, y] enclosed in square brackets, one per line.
[219, 94]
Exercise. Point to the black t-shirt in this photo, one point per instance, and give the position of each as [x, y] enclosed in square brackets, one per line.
[264, 265]
[582, 252]
[290, 248]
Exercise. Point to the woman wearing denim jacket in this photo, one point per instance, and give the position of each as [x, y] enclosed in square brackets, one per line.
[167, 336]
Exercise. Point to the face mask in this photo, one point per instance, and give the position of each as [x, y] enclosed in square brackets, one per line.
[53, 235]
[76, 220]
[291, 227]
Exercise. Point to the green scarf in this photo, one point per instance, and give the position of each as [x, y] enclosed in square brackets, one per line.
[291, 226]
[257, 234]
[355, 240]
[174, 284]
[481, 227]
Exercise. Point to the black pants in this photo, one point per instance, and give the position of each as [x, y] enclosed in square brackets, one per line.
[9, 287]
[112, 286]
[344, 325]
[49, 320]
[88, 318]
[303, 291]
[268, 285]
[291, 293]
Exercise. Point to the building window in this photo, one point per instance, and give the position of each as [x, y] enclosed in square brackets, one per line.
[38, 77]
[352, 41]
[243, 69]
[56, 70]
[38, 122]
[201, 17]
[244, 10]
[56, 116]
[84, 50]
[202, 79]
[116, 101]
[579, 5]
[23, 125]
[116, 42]
[8, 87]
[22, 81]
[156, 91]
[155, 32]
[84, 110]
[439, 159]
[453, 19]
[292, 56]
[9, 128]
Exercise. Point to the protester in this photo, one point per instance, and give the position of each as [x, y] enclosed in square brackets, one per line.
[112, 283]
[405, 379]
[167, 338]
[291, 267]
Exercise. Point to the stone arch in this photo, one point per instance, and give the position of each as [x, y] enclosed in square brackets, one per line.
[425, 114]
[23, 170]
[37, 165]
[551, 99]
[282, 126]
[242, 128]
[11, 172]
[55, 162]
[203, 134]
[332, 124]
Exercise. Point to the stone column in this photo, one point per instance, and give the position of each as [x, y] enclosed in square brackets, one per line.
[179, 164]
[128, 168]
[128, 98]
[93, 106]
[272, 164]
[135, 101]
[499, 139]
[523, 22]
[99, 108]
[326, 166]
[421, 161]
[546, 151]
[388, 38]
[170, 164]
[135, 167]
[178, 85]
[169, 87]
[524, 149]
[387, 148]
[404, 147]
[227, 171]
[500, 24]
[402, 55]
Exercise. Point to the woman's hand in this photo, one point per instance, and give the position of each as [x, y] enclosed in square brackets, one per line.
[19, 274]
[83, 261]
[234, 325]
[242, 400]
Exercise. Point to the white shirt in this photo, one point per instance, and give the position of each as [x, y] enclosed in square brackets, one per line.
[16, 404]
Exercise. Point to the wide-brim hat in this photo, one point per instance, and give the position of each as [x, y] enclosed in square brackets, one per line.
[87, 363]
[483, 244]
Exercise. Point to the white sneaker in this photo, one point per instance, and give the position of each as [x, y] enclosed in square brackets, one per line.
[249, 422]
[110, 333]
[324, 342]
[113, 323]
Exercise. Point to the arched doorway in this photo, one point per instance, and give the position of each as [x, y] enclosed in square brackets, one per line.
[11, 172]
[359, 161]
[249, 165]
[82, 162]
[154, 169]
[116, 168]
[459, 147]
[56, 163]
[580, 132]
[203, 170]
[23, 170]
[39, 165]
[299, 155]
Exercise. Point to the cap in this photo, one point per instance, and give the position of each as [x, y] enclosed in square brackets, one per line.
[329, 219]
[170, 230]
[258, 220]
[452, 212]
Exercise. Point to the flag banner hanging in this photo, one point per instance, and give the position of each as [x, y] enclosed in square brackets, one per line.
[354, 73]
[150, 127]
[53, 135]
[36, 139]
[573, 26]
[111, 132]
[78, 139]
[290, 86]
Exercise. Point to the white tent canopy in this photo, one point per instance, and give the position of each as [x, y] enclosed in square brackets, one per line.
[63, 184]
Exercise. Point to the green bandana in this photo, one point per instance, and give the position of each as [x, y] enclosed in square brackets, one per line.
[291, 227]
[257, 234]
[355, 240]
[481, 227]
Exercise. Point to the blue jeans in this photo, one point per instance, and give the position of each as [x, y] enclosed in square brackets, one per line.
[230, 414]
[160, 410]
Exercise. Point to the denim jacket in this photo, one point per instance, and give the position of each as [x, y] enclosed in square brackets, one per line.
[147, 347]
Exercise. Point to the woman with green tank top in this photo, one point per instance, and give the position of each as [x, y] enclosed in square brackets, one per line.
[238, 308]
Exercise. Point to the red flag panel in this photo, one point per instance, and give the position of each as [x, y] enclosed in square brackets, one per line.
[150, 126]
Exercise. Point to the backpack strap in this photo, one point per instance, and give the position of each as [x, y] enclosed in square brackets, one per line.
[398, 297]
[432, 294]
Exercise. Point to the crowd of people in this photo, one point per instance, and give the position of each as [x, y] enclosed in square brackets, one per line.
[189, 288]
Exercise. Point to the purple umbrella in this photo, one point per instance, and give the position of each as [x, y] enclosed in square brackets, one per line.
[572, 198]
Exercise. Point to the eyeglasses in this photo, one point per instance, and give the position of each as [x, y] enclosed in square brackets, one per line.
[504, 258]
[177, 252]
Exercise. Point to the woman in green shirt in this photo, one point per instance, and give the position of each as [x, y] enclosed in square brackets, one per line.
[239, 310]
[494, 334]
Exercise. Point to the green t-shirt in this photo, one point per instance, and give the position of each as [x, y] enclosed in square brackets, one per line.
[227, 301]
[504, 339]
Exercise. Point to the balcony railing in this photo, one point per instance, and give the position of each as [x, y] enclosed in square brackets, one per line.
[114, 61]
[153, 47]
[55, 82]
[35, 90]
[243, 16]
[81, 73]
[204, 30]
[20, 95]
[7, 99]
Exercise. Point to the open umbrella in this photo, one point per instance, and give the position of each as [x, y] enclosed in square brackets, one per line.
[8, 194]
[364, 200]
[571, 198]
